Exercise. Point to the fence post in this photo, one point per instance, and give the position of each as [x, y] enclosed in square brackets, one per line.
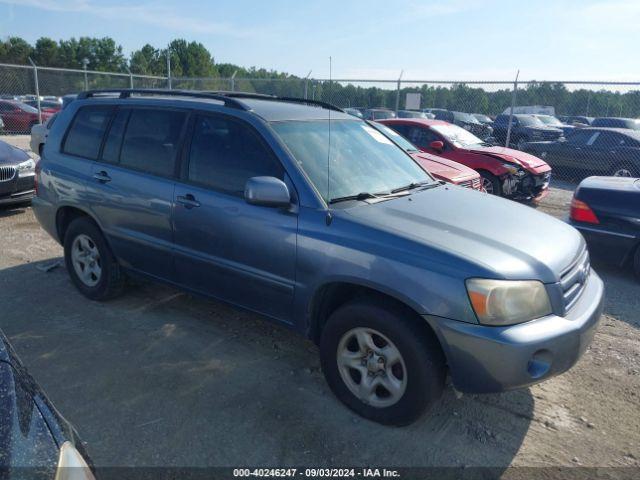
[233, 81]
[513, 105]
[169, 68]
[85, 62]
[398, 92]
[306, 84]
[35, 81]
[130, 77]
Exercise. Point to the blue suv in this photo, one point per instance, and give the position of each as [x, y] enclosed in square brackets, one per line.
[309, 216]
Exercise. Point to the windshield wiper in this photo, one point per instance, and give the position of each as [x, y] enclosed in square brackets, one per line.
[359, 196]
[414, 185]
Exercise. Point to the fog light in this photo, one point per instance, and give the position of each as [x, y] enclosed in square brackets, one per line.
[540, 363]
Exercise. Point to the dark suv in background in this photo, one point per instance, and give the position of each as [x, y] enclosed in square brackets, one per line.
[466, 121]
[524, 128]
[311, 217]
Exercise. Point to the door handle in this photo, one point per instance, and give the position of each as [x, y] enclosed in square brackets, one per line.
[102, 177]
[188, 200]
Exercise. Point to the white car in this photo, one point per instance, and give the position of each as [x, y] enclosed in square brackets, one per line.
[39, 133]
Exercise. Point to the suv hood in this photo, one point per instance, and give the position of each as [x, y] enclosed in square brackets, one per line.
[510, 155]
[498, 237]
[442, 167]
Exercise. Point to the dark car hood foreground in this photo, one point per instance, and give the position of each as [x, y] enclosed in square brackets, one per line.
[10, 155]
[501, 238]
[510, 155]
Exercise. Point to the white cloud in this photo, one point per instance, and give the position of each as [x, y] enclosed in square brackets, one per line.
[149, 13]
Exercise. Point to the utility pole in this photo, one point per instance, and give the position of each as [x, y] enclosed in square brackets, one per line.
[513, 105]
[35, 80]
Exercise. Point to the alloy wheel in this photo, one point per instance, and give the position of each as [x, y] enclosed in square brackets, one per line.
[86, 260]
[623, 172]
[371, 367]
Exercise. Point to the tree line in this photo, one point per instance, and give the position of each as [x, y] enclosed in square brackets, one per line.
[193, 66]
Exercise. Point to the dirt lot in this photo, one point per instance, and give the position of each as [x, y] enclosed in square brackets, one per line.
[160, 378]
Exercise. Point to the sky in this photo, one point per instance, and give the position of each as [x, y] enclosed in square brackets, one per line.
[427, 39]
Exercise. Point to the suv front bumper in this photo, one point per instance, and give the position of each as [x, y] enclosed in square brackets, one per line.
[484, 359]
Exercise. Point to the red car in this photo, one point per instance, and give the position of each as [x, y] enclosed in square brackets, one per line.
[504, 171]
[439, 167]
[20, 117]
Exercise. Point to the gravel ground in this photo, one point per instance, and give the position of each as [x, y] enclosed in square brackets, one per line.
[160, 378]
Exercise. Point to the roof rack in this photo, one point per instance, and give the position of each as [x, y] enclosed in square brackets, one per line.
[126, 93]
[230, 99]
[260, 96]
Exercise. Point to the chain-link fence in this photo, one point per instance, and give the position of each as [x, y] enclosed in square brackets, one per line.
[554, 121]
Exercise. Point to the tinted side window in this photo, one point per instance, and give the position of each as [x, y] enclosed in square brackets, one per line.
[225, 153]
[580, 138]
[151, 140]
[85, 134]
[111, 150]
[421, 137]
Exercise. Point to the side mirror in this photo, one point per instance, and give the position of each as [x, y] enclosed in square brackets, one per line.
[267, 192]
[437, 145]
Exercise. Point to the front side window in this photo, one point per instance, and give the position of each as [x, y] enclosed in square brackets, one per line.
[581, 137]
[348, 157]
[151, 140]
[225, 153]
[422, 137]
[87, 130]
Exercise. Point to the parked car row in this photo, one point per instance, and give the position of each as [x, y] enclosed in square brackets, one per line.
[399, 278]
[19, 117]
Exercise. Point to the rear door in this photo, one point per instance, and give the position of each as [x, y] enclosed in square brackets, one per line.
[132, 183]
[224, 247]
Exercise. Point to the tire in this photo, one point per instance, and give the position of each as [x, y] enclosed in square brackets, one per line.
[491, 183]
[419, 369]
[84, 244]
[624, 170]
[636, 263]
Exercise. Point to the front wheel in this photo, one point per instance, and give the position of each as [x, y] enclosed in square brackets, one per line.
[381, 364]
[624, 170]
[636, 263]
[89, 261]
[491, 183]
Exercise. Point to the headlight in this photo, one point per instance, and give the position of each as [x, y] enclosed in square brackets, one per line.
[506, 302]
[511, 168]
[26, 167]
[71, 465]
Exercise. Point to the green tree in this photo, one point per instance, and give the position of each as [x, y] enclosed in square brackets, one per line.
[15, 50]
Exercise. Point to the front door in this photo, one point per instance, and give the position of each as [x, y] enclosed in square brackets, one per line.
[224, 247]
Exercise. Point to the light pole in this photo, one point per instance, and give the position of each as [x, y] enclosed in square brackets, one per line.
[85, 62]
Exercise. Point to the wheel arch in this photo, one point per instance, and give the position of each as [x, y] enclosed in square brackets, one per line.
[67, 214]
[332, 295]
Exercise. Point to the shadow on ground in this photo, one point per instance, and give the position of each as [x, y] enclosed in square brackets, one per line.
[160, 378]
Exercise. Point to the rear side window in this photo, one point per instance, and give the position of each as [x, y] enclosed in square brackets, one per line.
[86, 132]
[151, 140]
[225, 153]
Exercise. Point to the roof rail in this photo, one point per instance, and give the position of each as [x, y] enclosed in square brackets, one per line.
[126, 93]
[260, 96]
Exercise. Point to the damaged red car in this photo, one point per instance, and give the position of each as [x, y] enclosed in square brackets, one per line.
[439, 167]
[506, 172]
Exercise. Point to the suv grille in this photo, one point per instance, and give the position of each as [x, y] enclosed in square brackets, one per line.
[7, 173]
[574, 278]
[475, 184]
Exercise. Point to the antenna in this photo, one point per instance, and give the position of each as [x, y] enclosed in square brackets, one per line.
[329, 141]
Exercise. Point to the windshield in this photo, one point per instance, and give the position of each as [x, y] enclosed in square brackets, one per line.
[27, 108]
[529, 121]
[361, 158]
[465, 117]
[457, 135]
[549, 120]
[402, 142]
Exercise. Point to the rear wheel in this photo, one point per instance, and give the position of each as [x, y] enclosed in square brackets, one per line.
[380, 363]
[491, 183]
[89, 261]
[636, 262]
